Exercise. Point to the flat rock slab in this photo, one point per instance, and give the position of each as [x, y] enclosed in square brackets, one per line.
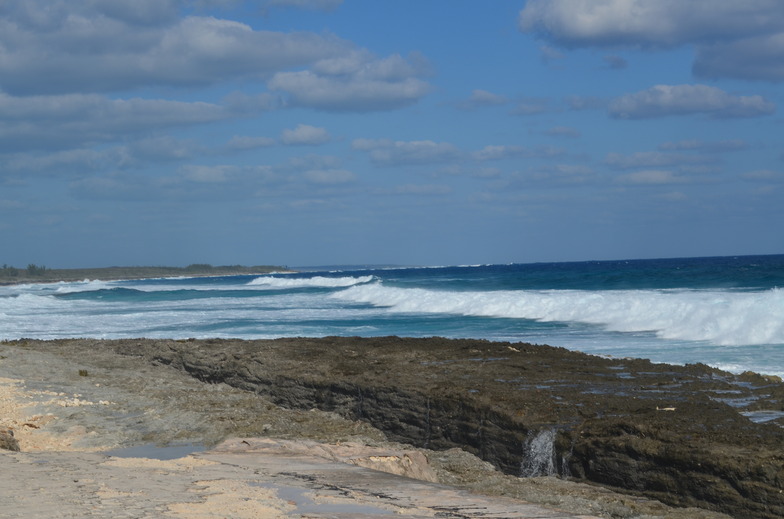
[241, 480]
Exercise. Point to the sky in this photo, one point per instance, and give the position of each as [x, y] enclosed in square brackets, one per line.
[445, 132]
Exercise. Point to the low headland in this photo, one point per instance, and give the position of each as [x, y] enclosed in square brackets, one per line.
[41, 274]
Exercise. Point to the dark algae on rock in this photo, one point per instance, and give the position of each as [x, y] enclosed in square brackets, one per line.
[674, 433]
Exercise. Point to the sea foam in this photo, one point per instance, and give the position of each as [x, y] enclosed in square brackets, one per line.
[722, 317]
[315, 281]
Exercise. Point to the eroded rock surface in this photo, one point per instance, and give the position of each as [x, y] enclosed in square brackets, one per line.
[671, 433]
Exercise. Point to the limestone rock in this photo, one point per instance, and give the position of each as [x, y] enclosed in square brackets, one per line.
[7, 440]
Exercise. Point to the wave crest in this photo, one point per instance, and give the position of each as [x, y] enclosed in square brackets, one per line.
[312, 282]
[723, 317]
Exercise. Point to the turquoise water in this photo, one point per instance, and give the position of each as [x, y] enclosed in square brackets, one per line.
[727, 312]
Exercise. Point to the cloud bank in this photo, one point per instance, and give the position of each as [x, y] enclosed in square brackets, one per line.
[733, 39]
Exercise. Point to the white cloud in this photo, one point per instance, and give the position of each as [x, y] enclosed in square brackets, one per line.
[61, 161]
[646, 23]
[353, 83]
[37, 122]
[569, 170]
[650, 177]
[496, 152]
[733, 39]
[313, 162]
[499, 152]
[78, 48]
[655, 159]
[666, 100]
[304, 134]
[79, 161]
[208, 174]
[394, 153]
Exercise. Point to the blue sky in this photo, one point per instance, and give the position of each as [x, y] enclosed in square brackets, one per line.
[313, 132]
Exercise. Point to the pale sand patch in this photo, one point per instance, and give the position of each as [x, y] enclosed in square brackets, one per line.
[29, 427]
[187, 463]
[233, 498]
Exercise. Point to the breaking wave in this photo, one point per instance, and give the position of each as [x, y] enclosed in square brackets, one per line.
[725, 318]
[311, 282]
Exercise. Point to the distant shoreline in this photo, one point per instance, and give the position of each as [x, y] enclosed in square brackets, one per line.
[15, 276]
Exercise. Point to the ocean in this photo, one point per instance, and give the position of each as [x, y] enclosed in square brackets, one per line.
[726, 312]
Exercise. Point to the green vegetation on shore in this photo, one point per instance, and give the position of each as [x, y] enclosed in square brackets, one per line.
[41, 274]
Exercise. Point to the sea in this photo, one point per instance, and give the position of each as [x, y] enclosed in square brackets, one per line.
[727, 312]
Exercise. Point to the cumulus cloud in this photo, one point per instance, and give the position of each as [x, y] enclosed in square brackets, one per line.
[78, 47]
[305, 135]
[357, 82]
[496, 152]
[666, 100]
[733, 39]
[208, 174]
[650, 177]
[655, 159]
[386, 152]
[74, 120]
[68, 161]
[81, 160]
[645, 23]
[500, 152]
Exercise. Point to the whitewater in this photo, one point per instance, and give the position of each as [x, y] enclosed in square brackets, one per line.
[725, 312]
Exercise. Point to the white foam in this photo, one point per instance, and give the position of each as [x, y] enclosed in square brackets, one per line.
[721, 317]
[315, 281]
[81, 286]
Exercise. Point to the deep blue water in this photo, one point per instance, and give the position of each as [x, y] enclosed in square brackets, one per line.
[727, 311]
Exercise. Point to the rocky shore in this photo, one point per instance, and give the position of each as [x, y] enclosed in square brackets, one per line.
[481, 413]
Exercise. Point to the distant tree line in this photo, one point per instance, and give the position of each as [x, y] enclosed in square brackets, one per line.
[40, 273]
[32, 270]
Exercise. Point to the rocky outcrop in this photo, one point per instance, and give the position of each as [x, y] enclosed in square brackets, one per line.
[7, 440]
[656, 430]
